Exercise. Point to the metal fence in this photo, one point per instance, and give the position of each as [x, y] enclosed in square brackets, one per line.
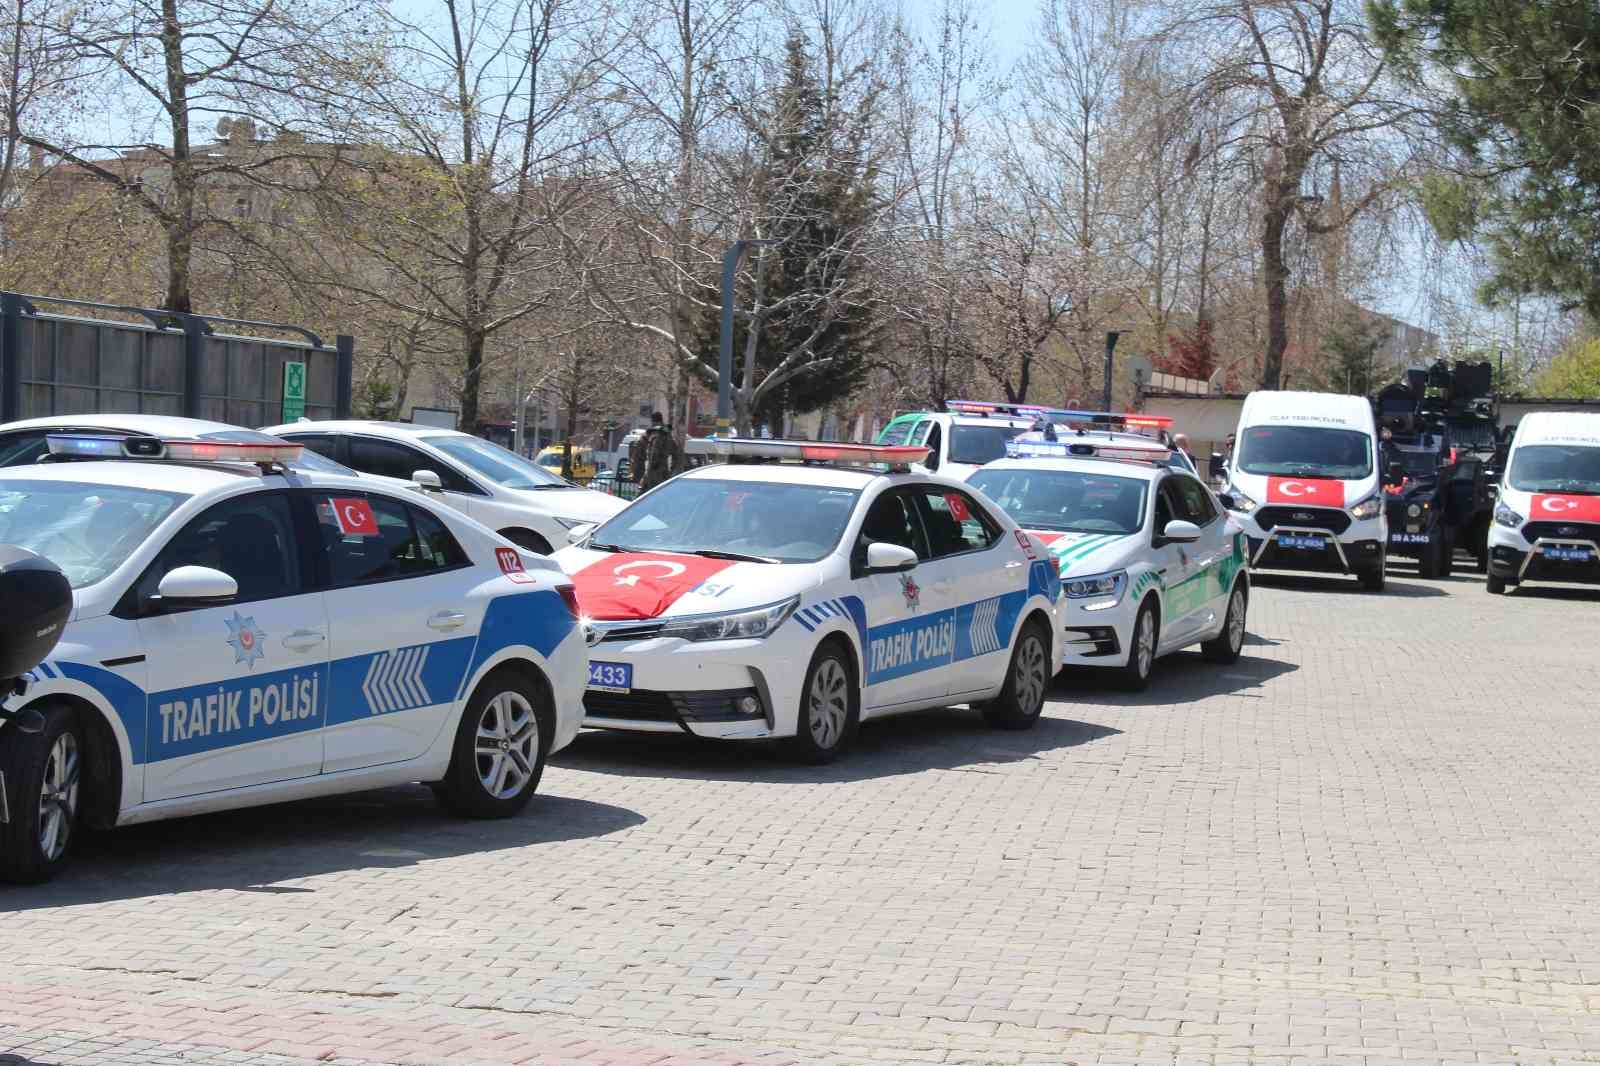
[171, 364]
[608, 483]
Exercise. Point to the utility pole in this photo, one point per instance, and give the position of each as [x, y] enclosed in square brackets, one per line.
[1111, 346]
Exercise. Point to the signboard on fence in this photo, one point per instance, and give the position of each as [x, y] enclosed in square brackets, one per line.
[294, 391]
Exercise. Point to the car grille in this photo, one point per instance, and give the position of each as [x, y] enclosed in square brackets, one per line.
[1561, 531]
[1269, 518]
[643, 705]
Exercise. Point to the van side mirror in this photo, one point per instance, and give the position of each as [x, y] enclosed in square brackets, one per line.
[427, 480]
[1218, 467]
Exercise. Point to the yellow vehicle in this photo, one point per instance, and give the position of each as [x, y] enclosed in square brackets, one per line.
[584, 465]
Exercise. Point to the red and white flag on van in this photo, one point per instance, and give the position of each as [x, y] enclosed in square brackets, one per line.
[1309, 491]
[1554, 507]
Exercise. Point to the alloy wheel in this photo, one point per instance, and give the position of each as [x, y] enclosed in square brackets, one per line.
[508, 745]
[58, 797]
[1145, 643]
[1236, 620]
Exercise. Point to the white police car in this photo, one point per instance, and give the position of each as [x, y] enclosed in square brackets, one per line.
[25, 441]
[1150, 562]
[782, 599]
[242, 634]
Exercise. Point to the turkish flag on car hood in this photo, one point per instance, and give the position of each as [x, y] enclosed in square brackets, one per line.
[1308, 491]
[1557, 508]
[636, 585]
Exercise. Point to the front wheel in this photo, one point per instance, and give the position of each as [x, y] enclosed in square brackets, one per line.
[829, 707]
[1431, 562]
[1372, 580]
[1495, 585]
[1226, 645]
[1027, 679]
[1135, 675]
[499, 750]
[43, 778]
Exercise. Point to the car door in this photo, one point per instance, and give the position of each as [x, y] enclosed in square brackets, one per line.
[904, 631]
[238, 691]
[403, 625]
[978, 579]
[1191, 601]
[1172, 562]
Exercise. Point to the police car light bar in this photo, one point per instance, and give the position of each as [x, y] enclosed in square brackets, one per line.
[1023, 448]
[987, 407]
[88, 446]
[806, 451]
[1059, 414]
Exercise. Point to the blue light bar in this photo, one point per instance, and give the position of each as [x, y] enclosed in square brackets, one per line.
[1029, 446]
[85, 446]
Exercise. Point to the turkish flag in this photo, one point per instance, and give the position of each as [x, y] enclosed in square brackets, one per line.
[1308, 491]
[354, 516]
[1048, 538]
[1557, 508]
[636, 585]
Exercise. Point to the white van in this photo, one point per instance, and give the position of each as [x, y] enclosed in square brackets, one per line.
[1547, 518]
[1305, 482]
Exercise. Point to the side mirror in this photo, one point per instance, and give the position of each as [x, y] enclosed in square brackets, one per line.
[1218, 468]
[577, 533]
[885, 558]
[427, 480]
[1396, 474]
[1180, 532]
[1227, 500]
[1494, 492]
[196, 586]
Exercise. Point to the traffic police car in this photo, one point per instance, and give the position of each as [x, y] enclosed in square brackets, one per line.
[1149, 561]
[794, 599]
[242, 633]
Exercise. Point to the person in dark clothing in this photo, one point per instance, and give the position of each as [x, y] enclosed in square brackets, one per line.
[660, 453]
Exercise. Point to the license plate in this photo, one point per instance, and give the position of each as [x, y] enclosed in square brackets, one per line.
[611, 677]
[1569, 555]
[1408, 538]
[1297, 540]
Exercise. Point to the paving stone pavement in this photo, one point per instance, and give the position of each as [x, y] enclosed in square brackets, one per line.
[1369, 841]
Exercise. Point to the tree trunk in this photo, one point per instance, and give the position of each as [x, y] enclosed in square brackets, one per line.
[179, 220]
[471, 381]
[1275, 275]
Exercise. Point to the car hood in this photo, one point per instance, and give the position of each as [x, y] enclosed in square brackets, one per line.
[1087, 553]
[586, 504]
[634, 586]
[1337, 493]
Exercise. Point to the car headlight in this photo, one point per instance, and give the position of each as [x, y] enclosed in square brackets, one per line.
[1097, 585]
[572, 523]
[1241, 503]
[1371, 507]
[735, 625]
[1507, 517]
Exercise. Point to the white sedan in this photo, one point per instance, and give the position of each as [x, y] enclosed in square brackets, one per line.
[772, 599]
[243, 634]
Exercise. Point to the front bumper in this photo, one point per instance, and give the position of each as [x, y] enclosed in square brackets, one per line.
[1514, 560]
[1097, 636]
[701, 687]
[1358, 548]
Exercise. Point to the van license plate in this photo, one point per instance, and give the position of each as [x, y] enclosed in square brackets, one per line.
[1297, 540]
[611, 677]
[1569, 555]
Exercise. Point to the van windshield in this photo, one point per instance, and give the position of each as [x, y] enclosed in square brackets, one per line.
[1306, 451]
[1571, 468]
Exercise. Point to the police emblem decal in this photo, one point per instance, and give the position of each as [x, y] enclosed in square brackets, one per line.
[246, 639]
[913, 594]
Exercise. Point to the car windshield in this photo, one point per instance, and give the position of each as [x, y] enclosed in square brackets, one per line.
[309, 460]
[981, 444]
[1573, 468]
[503, 467]
[86, 530]
[760, 520]
[1306, 451]
[1066, 501]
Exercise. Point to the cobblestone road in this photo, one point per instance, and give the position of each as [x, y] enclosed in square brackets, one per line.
[1371, 840]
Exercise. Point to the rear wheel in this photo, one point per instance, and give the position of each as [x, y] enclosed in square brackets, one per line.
[1027, 679]
[499, 750]
[1135, 675]
[829, 707]
[1226, 645]
[44, 780]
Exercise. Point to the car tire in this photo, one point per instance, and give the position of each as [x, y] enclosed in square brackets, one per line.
[44, 787]
[500, 746]
[1227, 645]
[830, 707]
[1372, 580]
[1028, 675]
[1428, 563]
[1135, 673]
[527, 538]
[1495, 585]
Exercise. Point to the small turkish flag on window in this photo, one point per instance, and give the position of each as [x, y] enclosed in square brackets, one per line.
[354, 516]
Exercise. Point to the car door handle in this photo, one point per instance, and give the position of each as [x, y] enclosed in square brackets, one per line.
[303, 640]
[447, 620]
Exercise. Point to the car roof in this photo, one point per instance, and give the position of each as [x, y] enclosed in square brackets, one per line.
[193, 479]
[152, 425]
[1310, 408]
[837, 477]
[1536, 426]
[381, 429]
[1139, 471]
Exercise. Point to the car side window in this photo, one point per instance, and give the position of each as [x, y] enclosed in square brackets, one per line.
[388, 458]
[324, 444]
[367, 537]
[956, 523]
[933, 446]
[23, 447]
[1165, 511]
[892, 519]
[249, 538]
[1192, 500]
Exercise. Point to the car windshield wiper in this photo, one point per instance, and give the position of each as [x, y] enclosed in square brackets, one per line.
[738, 557]
[612, 547]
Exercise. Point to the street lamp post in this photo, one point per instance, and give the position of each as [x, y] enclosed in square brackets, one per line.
[730, 267]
